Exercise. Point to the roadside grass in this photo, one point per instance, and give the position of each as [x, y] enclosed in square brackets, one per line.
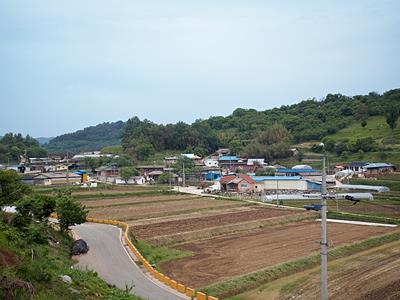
[157, 255]
[379, 207]
[362, 218]
[240, 284]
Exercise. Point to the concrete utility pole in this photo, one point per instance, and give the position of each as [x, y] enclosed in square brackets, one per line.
[324, 238]
[183, 179]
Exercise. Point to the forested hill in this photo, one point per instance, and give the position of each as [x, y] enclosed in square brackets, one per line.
[89, 138]
[308, 120]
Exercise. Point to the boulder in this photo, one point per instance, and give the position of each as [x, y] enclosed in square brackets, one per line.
[66, 279]
[79, 247]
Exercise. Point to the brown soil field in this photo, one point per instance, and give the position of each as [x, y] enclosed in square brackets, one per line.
[169, 227]
[221, 258]
[157, 209]
[197, 214]
[175, 239]
[373, 274]
[115, 190]
[134, 199]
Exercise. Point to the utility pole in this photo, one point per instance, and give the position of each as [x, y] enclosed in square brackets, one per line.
[169, 175]
[277, 192]
[183, 179]
[324, 238]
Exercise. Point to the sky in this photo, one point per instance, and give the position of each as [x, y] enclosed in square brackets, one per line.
[65, 65]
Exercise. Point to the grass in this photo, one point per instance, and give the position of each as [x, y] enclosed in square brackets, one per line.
[157, 255]
[376, 128]
[362, 218]
[240, 284]
[393, 185]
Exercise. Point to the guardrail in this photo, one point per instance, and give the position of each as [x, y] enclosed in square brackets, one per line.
[190, 292]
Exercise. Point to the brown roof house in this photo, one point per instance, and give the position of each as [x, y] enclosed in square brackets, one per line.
[240, 183]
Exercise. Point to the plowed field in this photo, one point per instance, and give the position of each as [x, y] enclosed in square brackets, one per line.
[184, 225]
[224, 257]
[161, 208]
[136, 199]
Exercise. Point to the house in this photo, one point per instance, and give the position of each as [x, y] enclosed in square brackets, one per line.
[356, 167]
[133, 180]
[107, 171]
[223, 151]
[376, 169]
[170, 160]
[280, 183]
[299, 170]
[256, 161]
[237, 184]
[154, 175]
[211, 162]
[56, 178]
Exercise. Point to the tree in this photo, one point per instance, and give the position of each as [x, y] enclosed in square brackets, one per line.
[361, 112]
[11, 187]
[299, 155]
[127, 173]
[268, 171]
[392, 116]
[69, 212]
[363, 123]
[163, 178]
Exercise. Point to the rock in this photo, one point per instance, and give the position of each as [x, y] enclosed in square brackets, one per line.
[66, 279]
[74, 291]
[79, 247]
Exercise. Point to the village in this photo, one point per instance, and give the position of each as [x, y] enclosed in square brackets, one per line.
[217, 173]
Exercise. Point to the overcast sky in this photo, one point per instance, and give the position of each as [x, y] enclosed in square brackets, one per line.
[69, 64]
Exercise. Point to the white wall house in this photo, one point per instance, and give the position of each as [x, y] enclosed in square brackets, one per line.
[211, 162]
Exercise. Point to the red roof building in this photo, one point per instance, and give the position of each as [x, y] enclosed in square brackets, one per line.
[240, 183]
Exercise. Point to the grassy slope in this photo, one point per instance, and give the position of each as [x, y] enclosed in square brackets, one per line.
[41, 263]
[376, 128]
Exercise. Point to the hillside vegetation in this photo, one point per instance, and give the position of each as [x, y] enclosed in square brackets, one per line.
[307, 120]
[88, 139]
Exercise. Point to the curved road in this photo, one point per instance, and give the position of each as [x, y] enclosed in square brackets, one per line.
[109, 258]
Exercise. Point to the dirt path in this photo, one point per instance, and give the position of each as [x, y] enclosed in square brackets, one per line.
[224, 257]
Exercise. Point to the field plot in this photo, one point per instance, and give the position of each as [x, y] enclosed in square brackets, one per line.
[134, 200]
[369, 275]
[159, 208]
[224, 257]
[206, 226]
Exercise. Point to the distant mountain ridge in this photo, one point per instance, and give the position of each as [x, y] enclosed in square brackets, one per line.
[308, 120]
[88, 139]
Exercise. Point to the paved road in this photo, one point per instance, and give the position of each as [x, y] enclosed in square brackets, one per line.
[109, 259]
